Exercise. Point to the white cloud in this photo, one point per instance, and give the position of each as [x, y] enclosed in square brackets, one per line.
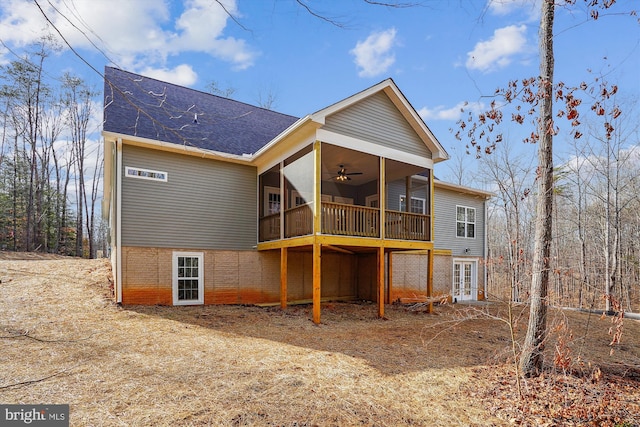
[182, 75]
[374, 56]
[141, 31]
[453, 113]
[498, 51]
[506, 7]
[200, 28]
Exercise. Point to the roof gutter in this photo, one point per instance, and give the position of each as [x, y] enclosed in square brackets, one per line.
[463, 189]
[177, 148]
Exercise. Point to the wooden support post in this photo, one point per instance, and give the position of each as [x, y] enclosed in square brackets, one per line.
[381, 282]
[382, 198]
[283, 277]
[283, 201]
[390, 278]
[317, 249]
[407, 191]
[430, 281]
[430, 251]
[317, 190]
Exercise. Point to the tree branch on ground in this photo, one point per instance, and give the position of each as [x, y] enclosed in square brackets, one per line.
[38, 380]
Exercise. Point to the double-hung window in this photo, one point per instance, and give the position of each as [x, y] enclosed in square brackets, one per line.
[188, 278]
[465, 222]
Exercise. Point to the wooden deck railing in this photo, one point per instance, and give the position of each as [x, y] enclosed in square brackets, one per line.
[350, 220]
[269, 227]
[347, 220]
[407, 226]
[299, 220]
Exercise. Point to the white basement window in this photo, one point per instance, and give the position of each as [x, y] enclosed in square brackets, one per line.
[188, 278]
[133, 172]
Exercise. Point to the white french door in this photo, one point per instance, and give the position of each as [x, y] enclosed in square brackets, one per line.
[464, 280]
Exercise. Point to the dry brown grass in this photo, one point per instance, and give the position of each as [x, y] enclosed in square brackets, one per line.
[63, 341]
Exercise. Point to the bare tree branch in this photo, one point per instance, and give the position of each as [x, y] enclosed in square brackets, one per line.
[396, 5]
[320, 16]
[25, 334]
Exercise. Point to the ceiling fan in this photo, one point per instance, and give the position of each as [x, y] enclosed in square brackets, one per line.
[342, 174]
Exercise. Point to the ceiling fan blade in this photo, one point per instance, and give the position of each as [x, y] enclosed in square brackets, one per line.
[343, 175]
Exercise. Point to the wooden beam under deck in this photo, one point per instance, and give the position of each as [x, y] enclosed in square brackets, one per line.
[339, 249]
[346, 242]
[286, 243]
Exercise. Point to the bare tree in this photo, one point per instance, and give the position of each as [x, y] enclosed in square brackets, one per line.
[510, 174]
[78, 101]
[534, 98]
[214, 88]
[267, 99]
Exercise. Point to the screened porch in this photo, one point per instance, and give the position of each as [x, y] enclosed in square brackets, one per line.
[360, 195]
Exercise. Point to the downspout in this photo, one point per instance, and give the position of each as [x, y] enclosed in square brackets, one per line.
[485, 250]
[118, 209]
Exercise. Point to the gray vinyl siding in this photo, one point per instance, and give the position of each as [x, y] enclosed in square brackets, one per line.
[445, 203]
[376, 119]
[205, 204]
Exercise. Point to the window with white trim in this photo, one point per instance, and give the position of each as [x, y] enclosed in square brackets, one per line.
[134, 172]
[271, 200]
[465, 222]
[188, 278]
[298, 198]
[417, 204]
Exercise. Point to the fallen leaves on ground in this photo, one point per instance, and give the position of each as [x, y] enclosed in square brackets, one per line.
[593, 396]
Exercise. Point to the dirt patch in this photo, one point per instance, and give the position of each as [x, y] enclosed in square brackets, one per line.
[64, 341]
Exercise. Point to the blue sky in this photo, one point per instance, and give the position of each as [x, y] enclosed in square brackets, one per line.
[441, 53]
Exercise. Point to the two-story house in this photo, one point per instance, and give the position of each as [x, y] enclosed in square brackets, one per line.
[214, 201]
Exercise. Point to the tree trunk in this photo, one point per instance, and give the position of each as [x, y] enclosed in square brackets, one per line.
[531, 360]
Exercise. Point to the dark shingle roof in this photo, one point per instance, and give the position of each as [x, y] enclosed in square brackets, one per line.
[139, 106]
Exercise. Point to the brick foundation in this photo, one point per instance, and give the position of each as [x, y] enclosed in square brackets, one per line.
[252, 277]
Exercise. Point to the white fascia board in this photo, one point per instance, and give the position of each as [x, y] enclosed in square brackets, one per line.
[320, 116]
[284, 134]
[177, 148]
[292, 149]
[373, 149]
[463, 189]
[437, 150]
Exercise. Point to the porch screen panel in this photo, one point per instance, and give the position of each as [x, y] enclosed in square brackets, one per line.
[298, 176]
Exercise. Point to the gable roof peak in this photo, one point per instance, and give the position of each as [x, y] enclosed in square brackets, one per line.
[393, 92]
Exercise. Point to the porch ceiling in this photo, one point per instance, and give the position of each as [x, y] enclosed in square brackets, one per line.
[355, 161]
